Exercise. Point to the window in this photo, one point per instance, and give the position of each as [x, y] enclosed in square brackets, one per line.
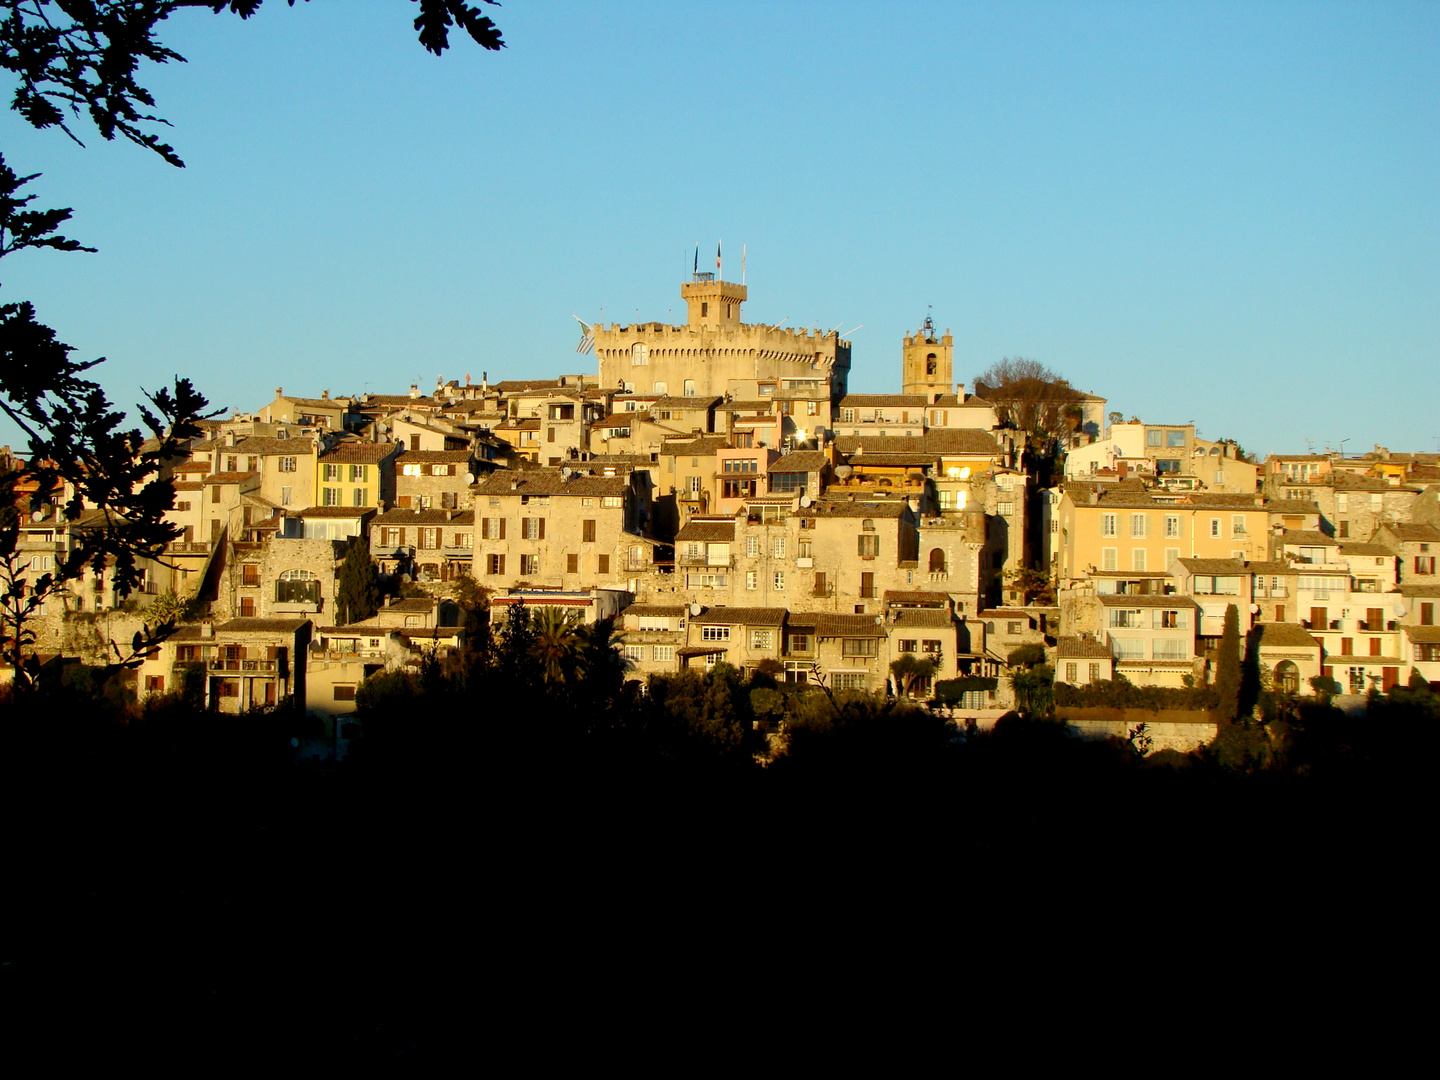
[779, 582]
[715, 633]
[344, 693]
[689, 388]
[1237, 525]
[1171, 620]
[330, 471]
[612, 501]
[329, 496]
[1128, 648]
[909, 645]
[297, 587]
[1168, 649]
[572, 563]
[752, 580]
[848, 680]
[1137, 559]
[1109, 559]
[1108, 524]
[357, 474]
[1070, 673]
[357, 496]
[602, 564]
[777, 547]
[1175, 438]
[1214, 526]
[859, 647]
[1005, 509]
[532, 528]
[1172, 525]
[1137, 524]
[1427, 614]
[1094, 672]
[495, 564]
[1154, 438]
[634, 653]
[1125, 619]
[662, 653]
[287, 464]
[587, 531]
[762, 638]
[529, 564]
[492, 528]
[799, 642]
[1014, 627]
[639, 355]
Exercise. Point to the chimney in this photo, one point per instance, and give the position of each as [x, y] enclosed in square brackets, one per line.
[207, 629]
[324, 395]
[414, 390]
[279, 391]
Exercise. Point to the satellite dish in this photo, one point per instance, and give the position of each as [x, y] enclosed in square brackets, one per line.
[469, 478]
[805, 500]
[1254, 609]
[695, 609]
[565, 471]
[36, 515]
[844, 472]
[1398, 608]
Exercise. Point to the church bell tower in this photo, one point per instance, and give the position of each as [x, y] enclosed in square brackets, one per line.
[928, 363]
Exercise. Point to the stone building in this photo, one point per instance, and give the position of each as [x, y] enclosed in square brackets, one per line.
[558, 529]
[715, 354]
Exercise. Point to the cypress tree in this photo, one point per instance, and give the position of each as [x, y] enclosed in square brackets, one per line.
[357, 594]
[1227, 672]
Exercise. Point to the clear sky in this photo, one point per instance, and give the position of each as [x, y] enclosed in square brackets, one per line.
[1220, 212]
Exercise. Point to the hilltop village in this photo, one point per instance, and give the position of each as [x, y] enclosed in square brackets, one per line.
[717, 491]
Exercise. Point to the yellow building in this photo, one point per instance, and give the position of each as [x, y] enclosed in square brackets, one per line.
[1128, 529]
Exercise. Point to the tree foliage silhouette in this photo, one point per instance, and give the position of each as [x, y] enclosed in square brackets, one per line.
[73, 59]
[1227, 670]
[357, 585]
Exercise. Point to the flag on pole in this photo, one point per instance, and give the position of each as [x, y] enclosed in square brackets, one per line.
[587, 336]
[697, 259]
[717, 258]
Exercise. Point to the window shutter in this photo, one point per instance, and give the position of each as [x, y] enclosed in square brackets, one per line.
[542, 528]
[502, 537]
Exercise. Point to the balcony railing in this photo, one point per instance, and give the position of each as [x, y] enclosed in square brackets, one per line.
[193, 547]
[225, 663]
[823, 590]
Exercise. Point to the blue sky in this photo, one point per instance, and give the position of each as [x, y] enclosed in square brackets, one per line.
[1220, 212]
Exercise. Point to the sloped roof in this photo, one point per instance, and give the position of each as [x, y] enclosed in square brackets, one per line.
[921, 618]
[549, 481]
[260, 626]
[1365, 549]
[695, 403]
[428, 456]
[1410, 534]
[710, 531]
[429, 516]
[888, 508]
[742, 616]
[1079, 648]
[336, 511]
[257, 444]
[359, 453]
[827, 624]
[1174, 600]
[1423, 634]
[1212, 566]
[799, 461]
[936, 441]
[1286, 636]
[880, 401]
[659, 611]
[1308, 538]
[229, 477]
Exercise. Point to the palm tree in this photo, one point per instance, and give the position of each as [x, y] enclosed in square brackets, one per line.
[602, 657]
[557, 643]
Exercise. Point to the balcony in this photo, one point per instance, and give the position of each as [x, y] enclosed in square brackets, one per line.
[222, 664]
[457, 552]
[699, 562]
[190, 548]
[295, 607]
[823, 590]
[939, 575]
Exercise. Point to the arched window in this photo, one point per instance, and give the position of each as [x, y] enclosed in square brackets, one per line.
[931, 365]
[297, 587]
[937, 560]
[1287, 677]
[639, 354]
[867, 525]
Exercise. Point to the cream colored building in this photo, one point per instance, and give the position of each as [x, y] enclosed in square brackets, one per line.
[715, 354]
